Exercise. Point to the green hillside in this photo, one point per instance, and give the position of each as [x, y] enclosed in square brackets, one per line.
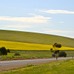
[29, 37]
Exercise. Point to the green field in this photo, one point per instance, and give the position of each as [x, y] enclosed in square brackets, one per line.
[31, 54]
[36, 45]
[27, 54]
[57, 67]
[32, 41]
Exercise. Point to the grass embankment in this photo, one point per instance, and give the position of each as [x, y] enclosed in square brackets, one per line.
[57, 67]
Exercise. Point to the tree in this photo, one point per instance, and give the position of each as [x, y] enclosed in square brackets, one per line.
[56, 46]
[3, 51]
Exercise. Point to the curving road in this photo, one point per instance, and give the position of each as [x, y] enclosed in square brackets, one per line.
[6, 65]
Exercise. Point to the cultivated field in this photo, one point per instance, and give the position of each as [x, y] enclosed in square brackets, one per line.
[35, 45]
[28, 46]
[17, 40]
[35, 38]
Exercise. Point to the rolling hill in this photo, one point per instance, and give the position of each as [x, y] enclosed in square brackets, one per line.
[32, 41]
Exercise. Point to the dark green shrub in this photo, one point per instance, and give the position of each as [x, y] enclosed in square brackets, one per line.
[62, 54]
[17, 54]
[56, 51]
[53, 55]
[8, 50]
[51, 49]
[3, 51]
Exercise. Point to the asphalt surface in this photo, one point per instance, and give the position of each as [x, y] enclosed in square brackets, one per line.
[7, 65]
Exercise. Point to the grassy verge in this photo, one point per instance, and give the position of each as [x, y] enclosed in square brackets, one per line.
[31, 54]
[27, 54]
[58, 67]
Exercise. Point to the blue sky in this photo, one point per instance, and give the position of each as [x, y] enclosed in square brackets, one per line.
[42, 16]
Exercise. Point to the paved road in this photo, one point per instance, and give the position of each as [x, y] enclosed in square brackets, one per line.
[6, 65]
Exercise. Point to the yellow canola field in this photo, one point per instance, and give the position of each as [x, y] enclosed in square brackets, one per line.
[28, 46]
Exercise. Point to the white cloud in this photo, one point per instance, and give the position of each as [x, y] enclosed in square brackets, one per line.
[33, 19]
[15, 26]
[58, 11]
[54, 31]
[18, 26]
[58, 31]
[66, 33]
[23, 23]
